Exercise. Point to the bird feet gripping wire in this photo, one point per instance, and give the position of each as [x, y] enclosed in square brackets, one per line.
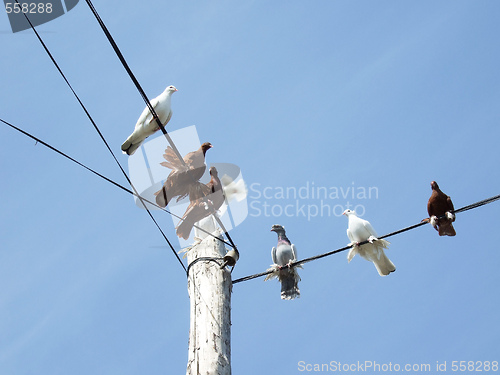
[288, 265]
[434, 221]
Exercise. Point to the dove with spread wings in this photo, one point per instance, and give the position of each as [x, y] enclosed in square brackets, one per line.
[184, 176]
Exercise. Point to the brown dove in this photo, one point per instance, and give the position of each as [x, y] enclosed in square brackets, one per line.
[205, 200]
[440, 205]
[179, 182]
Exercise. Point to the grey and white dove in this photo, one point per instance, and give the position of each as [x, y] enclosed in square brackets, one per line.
[283, 255]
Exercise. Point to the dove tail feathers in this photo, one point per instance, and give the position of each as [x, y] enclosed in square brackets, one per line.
[447, 230]
[384, 265]
[289, 279]
[374, 252]
[289, 290]
[129, 148]
[184, 229]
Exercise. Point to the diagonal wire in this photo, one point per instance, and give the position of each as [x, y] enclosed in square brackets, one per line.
[310, 259]
[101, 175]
[103, 139]
[146, 100]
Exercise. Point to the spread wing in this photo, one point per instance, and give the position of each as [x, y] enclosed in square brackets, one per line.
[172, 161]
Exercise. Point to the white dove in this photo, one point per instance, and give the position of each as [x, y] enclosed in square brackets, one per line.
[360, 230]
[146, 125]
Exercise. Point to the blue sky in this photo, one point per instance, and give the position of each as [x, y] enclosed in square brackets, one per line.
[383, 94]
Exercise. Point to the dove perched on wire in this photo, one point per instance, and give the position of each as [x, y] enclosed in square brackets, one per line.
[147, 125]
[360, 230]
[440, 204]
[204, 200]
[283, 255]
[183, 176]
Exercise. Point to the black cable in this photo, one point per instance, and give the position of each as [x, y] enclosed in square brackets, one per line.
[103, 139]
[146, 100]
[203, 259]
[310, 259]
[478, 204]
[102, 176]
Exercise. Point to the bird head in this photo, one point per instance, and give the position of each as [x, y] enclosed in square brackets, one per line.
[213, 172]
[206, 146]
[171, 89]
[434, 185]
[278, 228]
[349, 213]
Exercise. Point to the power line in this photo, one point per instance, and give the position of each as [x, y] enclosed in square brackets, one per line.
[146, 100]
[102, 176]
[310, 259]
[103, 139]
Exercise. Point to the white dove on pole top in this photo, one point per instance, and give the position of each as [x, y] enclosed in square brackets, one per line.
[146, 124]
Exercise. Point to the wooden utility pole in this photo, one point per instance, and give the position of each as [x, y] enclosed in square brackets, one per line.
[209, 289]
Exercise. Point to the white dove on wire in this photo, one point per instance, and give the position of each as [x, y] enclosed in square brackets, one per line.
[146, 125]
[360, 230]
